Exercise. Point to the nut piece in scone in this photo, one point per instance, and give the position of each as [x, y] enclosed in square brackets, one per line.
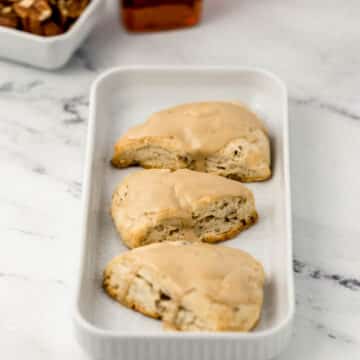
[191, 287]
[156, 205]
[223, 138]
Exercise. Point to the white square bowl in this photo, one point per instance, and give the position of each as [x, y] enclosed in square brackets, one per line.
[49, 52]
[122, 98]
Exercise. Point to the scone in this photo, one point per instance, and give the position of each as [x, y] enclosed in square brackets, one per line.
[156, 205]
[190, 286]
[222, 138]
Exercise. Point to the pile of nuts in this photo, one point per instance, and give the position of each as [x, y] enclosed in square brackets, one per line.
[41, 17]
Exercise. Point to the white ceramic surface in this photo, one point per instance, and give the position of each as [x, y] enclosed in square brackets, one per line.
[49, 52]
[311, 45]
[124, 97]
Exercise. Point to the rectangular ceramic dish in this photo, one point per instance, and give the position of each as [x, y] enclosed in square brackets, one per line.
[122, 98]
[49, 52]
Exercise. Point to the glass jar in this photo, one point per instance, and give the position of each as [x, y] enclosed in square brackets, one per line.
[155, 15]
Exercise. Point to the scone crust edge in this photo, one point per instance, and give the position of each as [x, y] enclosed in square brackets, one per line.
[222, 317]
[168, 144]
[135, 232]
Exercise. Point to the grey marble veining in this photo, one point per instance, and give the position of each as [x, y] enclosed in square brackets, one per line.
[304, 269]
[313, 46]
[347, 113]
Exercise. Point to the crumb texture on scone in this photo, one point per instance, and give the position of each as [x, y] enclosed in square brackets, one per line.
[157, 205]
[223, 138]
[190, 286]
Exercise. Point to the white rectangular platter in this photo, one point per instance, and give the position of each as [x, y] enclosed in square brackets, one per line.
[124, 97]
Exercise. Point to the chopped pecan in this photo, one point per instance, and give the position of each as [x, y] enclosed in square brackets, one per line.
[50, 28]
[35, 10]
[72, 8]
[8, 17]
[41, 17]
[34, 26]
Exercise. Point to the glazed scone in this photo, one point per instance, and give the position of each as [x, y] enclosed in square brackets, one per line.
[156, 205]
[222, 138]
[190, 286]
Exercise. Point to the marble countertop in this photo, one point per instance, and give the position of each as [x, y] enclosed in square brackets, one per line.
[312, 45]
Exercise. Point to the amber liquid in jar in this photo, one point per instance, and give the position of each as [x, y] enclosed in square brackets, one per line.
[155, 15]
